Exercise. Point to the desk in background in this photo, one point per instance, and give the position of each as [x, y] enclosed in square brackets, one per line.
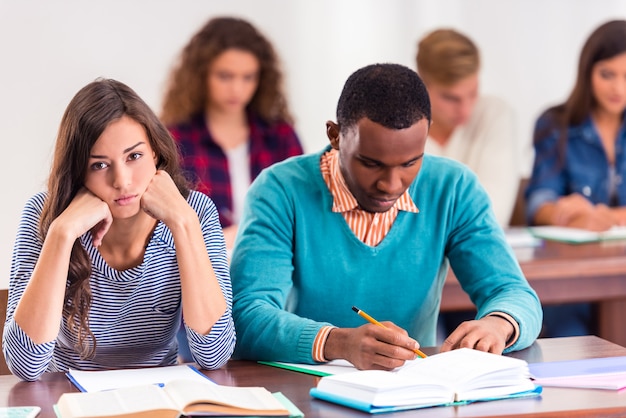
[553, 402]
[568, 273]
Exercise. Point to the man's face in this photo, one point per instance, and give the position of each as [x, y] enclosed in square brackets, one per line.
[379, 163]
[453, 105]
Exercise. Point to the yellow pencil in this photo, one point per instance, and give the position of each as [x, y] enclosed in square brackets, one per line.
[375, 322]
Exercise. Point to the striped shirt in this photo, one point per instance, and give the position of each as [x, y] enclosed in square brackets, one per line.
[135, 313]
[371, 228]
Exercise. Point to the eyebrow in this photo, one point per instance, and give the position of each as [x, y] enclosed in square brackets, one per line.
[124, 152]
[362, 157]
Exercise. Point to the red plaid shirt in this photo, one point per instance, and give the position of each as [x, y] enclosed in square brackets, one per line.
[206, 165]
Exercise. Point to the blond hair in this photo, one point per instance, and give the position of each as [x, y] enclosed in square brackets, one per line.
[446, 56]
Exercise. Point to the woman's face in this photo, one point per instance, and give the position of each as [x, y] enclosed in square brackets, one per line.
[608, 84]
[121, 165]
[233, 78]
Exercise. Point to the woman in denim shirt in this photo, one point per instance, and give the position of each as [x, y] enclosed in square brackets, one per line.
[580, 160]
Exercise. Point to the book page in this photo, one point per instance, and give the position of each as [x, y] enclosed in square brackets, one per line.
[565, 234]
[117, 402]
[576, 235]
[474, 374]
[93, 381]
[382, 388]
[521, 237]
[185, 393]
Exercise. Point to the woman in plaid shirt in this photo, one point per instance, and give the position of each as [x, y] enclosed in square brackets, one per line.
[225, 106]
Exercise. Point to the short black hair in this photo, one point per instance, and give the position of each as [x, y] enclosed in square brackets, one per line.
[391, 95]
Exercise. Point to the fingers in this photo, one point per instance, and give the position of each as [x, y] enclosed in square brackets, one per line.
[483, 335]
[371, 347]
[99, 231]
[162, 199]
[387, 348]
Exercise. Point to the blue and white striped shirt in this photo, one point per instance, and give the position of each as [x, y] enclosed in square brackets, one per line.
[135, 313]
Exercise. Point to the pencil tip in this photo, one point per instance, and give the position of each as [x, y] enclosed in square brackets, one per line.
[355, 309]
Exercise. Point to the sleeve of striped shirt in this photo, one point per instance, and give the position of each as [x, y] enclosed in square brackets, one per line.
[25, 359]
[213, 350]
[320, 342]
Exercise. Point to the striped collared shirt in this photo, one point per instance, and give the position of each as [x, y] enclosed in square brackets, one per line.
[369, 227]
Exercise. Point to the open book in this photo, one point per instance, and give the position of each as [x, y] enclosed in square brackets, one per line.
[454, 377]
[577, 236]
[173, 399]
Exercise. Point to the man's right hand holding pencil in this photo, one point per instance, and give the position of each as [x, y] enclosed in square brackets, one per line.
[371, 347]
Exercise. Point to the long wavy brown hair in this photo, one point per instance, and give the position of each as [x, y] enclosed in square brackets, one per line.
[88, 114]
[606, 42]
[187, 91]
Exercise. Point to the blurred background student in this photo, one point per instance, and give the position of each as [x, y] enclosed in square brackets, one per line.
[580, 157]
[468, 127]
[225, 106]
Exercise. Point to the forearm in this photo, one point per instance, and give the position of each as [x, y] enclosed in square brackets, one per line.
[619, 214]
[545, 214]
[40, 308]
[265, 332]
[202, 296]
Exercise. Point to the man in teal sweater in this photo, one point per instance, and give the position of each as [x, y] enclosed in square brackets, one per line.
[372, 222]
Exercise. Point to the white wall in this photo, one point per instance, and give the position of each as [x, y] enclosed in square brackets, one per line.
[50, 49]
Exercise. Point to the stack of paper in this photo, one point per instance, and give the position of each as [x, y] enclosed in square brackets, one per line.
[593, 373]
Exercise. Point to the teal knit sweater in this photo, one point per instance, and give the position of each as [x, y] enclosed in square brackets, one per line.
[297, 266]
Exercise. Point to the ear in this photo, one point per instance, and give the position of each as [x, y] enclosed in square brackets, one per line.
[332, 131]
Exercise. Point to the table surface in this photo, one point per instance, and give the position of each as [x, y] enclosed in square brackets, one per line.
[554, 402]
[568, 273]
[553, 266]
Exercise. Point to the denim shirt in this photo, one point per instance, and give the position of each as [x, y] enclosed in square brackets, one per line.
[584, 170]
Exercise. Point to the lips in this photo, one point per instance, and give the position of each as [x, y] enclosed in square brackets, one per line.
[384, 202]
[125, 200]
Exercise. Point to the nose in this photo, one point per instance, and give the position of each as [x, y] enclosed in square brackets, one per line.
[390, 182]
[465, 109]
[121, 176]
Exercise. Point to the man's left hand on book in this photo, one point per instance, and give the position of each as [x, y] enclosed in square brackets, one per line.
[490, 334]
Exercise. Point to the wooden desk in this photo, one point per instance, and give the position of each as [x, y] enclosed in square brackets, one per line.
[566, 273]
[553, 402]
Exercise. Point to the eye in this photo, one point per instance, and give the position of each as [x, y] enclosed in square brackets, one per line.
[409, 164]
[369, 164]
[605, 74]
[98, 166]
[134, 156]
[250, 78]
[224, 76]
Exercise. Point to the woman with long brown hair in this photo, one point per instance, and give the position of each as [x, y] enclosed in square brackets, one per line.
[225, 106]
[117, 250]
[579, 174]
